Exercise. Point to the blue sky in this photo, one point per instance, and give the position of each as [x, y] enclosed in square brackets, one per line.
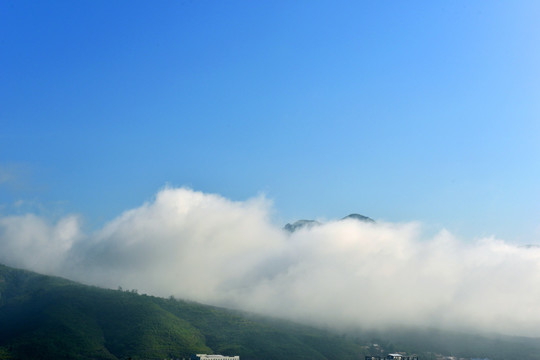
[399, 110]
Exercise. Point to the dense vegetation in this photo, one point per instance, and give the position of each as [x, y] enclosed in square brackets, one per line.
[43, 317]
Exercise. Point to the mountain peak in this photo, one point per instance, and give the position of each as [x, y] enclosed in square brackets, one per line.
[308, 224]
[359, 217]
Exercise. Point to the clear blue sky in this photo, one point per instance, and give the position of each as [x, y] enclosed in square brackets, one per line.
[399, 110]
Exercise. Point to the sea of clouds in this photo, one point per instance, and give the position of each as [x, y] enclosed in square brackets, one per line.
[348, 273]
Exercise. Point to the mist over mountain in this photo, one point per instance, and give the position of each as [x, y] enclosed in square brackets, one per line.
[301, 224]
[43, 317]
[341, 274]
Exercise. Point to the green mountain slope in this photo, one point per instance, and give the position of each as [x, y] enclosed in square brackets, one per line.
[45, 317]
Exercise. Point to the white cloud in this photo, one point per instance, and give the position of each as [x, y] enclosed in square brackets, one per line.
[30, 242]
[344, 273]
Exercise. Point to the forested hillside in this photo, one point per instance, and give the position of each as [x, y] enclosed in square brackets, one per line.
[44, 317]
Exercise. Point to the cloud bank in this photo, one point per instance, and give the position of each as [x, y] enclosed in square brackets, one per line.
[207, 248]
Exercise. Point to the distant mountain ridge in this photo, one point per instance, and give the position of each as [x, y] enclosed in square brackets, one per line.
[308, 224]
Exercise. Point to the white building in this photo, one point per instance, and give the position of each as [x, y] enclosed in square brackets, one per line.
[216, 357]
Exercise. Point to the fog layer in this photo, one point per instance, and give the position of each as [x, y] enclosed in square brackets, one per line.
[207, 248]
